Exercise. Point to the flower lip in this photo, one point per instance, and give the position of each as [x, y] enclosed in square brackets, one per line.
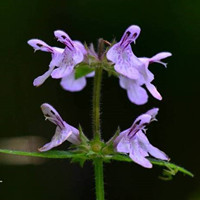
[130, 35]
[52, 115]
[40, 45]
[140, 123]
[64, 38]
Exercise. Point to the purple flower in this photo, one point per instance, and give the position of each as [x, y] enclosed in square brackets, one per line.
[134, 142]
[63, 130]
[135, 92]
[134, 71]
[63, 61]
[121, 54]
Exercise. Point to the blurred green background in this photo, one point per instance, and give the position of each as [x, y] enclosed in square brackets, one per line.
[171, 25]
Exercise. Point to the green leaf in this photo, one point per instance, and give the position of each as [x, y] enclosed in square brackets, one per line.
[48, 154]
[172, 168]
[82, 70]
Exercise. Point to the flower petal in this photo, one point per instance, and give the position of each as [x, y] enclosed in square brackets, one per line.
[59, 137]
[152, 89]
[153, 112]
[63, 130]
[145, 144]
[52, 115]
[130, 35]
[64, 38]
[61, 72]
[127, 70]
[123, 145]
[138, 154]
[80, 46]
[126, 63]
[41, 79]
[40, 45]
[124, 82]
[137, 94]
[155, 152]
[159, 57]
[71, 84]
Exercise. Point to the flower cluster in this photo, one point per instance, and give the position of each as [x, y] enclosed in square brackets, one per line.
[132, 141]
[133, 73]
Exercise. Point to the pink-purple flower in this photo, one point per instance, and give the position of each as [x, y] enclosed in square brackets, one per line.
[63, 61]
[121, 54]
[133, 141]
[133, 71]
[63, 130]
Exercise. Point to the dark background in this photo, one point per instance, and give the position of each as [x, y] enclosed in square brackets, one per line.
[171, 25]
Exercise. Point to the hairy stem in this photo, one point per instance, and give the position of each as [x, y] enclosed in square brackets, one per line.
[98, 162]
[99, 183]
[96, 103]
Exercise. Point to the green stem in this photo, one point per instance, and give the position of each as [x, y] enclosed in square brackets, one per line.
[99, 183]
[98, 162]
[96, 103]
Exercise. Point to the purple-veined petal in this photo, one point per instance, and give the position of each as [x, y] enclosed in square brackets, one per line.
[52, 115]
[40, 45]
[74, 50]
[142, 120]
[64, 38]
[71, 84]
[134, 142]
[138, 125]
[63, 130]
[152, 89]
[126, 69]
[126, 63]
[130, 35]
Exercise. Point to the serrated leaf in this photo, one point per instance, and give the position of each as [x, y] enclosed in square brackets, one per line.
[82, 70]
